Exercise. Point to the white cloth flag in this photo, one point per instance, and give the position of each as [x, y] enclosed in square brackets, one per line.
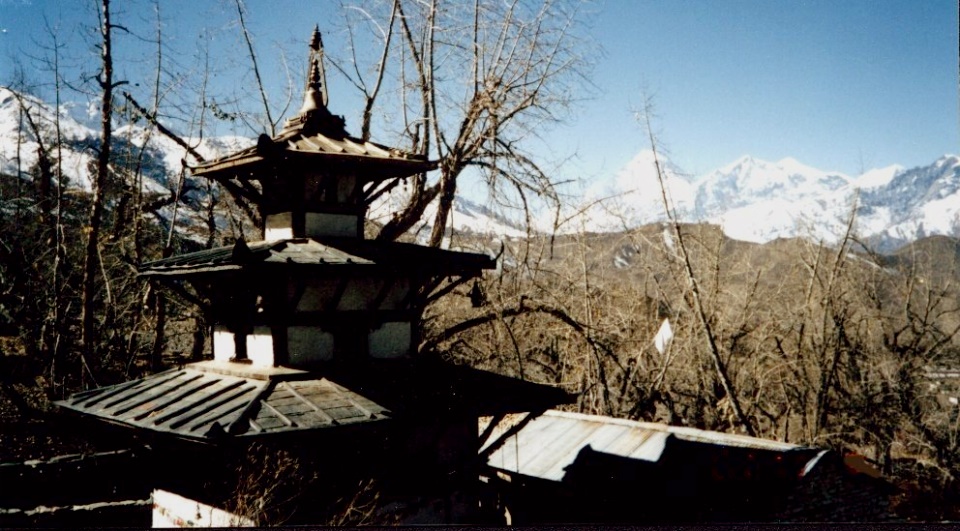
[664, 336]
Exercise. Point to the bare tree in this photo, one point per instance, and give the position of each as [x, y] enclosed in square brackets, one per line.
[694, 284]
[92, 253]
[473, 85]
[56, 299]
[256, 69]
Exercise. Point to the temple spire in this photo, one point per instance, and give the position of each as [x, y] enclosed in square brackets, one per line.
[318, 77]
[314, 113]
[315, 91]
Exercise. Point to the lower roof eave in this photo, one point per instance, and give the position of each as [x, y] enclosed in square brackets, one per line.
[203, 402]
[216, 401]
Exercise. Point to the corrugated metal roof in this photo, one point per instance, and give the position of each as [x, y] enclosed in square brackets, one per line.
[207, 400]
[725, 439]
[328, 252]
[548, 444]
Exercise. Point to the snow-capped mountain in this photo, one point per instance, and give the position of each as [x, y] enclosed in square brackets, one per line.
[756, 200]
[751, 199]
[634, 197]
[13, 105]
[21, 112]
[27, 124]
[162, 162]
[915, 203]
[19, 142]
[739, 184]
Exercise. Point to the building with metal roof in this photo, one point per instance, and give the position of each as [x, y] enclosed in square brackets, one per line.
[560, 467]
[211, 399]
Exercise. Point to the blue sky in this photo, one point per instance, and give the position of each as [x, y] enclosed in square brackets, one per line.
[826, 82]
[839, 85]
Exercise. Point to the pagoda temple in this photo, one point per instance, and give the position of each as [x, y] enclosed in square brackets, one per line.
[315, 331]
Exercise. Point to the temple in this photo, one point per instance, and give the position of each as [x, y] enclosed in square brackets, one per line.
[315, 330]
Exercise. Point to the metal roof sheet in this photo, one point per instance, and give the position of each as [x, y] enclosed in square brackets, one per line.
[328, 252]
[548, 444]
[207, 400]
[214, 399]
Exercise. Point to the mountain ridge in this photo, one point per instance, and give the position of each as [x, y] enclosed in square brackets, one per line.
[750, 198]
[756, 200]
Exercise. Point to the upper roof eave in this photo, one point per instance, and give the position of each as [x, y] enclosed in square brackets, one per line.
[347, 150]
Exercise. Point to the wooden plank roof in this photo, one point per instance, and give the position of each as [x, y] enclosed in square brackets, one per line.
[330, 252]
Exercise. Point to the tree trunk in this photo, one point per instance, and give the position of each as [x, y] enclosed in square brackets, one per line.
[99, 191]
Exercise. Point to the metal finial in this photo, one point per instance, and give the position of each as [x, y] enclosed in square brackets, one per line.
[317, 41]
[315, 93]
[313, 113]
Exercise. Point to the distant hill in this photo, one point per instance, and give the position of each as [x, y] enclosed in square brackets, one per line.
[649, 256]
[934, 259]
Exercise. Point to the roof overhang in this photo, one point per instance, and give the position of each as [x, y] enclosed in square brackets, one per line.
[377, 162]
[339, 253]
[215, 400]
[218, 401]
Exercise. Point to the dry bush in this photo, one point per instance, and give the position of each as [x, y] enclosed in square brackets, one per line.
[824, 345]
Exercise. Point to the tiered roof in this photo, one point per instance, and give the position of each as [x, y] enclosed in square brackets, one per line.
[233, 397]
[381, 162]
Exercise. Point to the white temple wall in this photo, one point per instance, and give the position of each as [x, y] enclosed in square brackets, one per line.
[260, 347]
[316, 225]
[319, 224]
[224, 347]
[390, 340]
[307, 344]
